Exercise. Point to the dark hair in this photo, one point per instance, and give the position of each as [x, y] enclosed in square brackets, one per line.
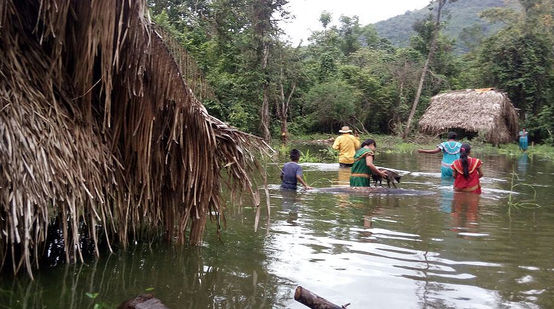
[452, 135]
[368, 142]
[464, 151]
[294, 155]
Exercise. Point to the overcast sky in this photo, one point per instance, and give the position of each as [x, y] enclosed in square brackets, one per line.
[307, 13]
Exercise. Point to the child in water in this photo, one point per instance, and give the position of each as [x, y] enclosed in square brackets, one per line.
[292, 173]
[467, 171]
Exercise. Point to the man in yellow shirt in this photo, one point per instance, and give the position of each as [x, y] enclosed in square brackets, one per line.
[346, 144]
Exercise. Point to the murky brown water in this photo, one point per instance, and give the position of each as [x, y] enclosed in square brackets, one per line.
[442, 250]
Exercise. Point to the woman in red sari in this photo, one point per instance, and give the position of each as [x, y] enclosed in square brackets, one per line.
[467, 171]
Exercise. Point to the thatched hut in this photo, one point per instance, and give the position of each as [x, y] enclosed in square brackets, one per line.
[487, 112]
[101, 138]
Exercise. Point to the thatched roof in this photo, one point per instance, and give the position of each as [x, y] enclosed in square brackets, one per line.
[485, 111]
[100, 133]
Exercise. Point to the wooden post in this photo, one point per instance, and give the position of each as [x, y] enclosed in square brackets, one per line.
[314, 301]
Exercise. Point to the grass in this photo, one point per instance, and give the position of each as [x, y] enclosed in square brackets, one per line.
[326, 154]
[306, 156]
[523, 204]
[395, 144]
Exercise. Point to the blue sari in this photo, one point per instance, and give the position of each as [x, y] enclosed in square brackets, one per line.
[523, 141]
[450, 153]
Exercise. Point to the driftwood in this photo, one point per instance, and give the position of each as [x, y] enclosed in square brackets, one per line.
[314, 301]
[144, 301]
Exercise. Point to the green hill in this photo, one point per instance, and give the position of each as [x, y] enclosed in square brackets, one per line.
[460, 15]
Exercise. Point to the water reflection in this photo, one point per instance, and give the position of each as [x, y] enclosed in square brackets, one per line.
[465, 206]
[180, 277]
[394, 251]
[446, 194]
[522, 164]
[343, 177]
[289, 204]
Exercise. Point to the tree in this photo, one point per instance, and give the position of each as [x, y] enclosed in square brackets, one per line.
[331, 104]
[432, 48]
[288, 79]
[518, 60]
[325, 19]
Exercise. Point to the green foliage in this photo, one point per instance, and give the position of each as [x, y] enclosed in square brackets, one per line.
[330, 104]
[97, 305]
[513, 203]
[325, 19]
[308, 157]
[518, 60]
[351, 74]
[519, 63]
[544, 128]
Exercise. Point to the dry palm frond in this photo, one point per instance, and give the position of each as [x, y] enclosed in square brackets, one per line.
[484, 111]
[100, 132]
[190, 71]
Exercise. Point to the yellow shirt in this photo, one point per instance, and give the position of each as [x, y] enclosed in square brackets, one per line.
[346, 144]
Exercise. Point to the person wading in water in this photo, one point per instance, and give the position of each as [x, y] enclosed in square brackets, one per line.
[363, 165]
[346, 144]
[291, 173]
[467, 171]
[450, 153]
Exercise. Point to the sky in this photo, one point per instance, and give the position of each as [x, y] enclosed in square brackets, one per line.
[306, 13]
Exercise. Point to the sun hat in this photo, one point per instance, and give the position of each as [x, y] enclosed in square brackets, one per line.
[345, 129]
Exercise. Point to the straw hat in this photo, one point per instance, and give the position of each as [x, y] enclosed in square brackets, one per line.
[345, 129]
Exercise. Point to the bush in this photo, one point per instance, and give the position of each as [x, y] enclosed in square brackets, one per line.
[332, 104]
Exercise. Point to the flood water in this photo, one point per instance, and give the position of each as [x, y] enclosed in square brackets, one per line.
[438, 250]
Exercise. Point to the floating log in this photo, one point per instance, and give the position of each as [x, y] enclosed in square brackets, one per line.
[144, 301]
[314, 301]
[372, 191]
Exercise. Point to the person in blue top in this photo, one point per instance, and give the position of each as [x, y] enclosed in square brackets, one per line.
[291, 173]
[450, 153]
[523, 141]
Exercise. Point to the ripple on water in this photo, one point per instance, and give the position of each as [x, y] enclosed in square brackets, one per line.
[468, 234]
[343, 255]
[529, 267]
[525, 279]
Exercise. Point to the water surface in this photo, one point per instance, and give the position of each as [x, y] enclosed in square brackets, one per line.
[440, 250]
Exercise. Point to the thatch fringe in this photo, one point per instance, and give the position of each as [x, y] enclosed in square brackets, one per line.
[190, 71]
[99, 130]
[485, 111]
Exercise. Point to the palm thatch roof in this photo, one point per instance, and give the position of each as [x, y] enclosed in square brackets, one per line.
[100, 133]
[487, 112]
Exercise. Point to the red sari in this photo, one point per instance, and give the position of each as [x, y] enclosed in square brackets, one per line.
[471, 184]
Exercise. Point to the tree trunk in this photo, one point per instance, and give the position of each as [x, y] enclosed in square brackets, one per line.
[284, 131]
[264, 113]
[314, 301]
[425, 68]
[283, 108]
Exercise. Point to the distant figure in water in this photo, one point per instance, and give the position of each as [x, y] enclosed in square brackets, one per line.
[363, 165]
[346, 144]
[467, 171]
[291, 173]
[523, 140]
[450, 153]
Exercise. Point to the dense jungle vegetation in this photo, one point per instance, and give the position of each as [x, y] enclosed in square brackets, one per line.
[348, 74]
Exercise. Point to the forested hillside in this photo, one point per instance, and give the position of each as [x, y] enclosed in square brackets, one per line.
[463, 23]
[348, 74]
